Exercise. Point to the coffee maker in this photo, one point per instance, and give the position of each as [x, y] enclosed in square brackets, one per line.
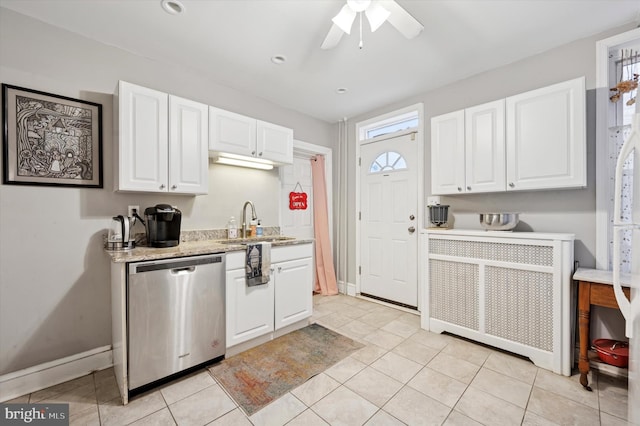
[163, 225]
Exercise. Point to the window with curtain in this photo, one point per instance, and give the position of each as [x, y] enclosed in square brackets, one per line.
[624, 66]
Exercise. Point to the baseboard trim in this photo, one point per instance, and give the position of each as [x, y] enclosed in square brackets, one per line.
[32, 379]
[351, 289]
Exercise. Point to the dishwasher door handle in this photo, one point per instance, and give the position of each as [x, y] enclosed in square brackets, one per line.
[183, 271]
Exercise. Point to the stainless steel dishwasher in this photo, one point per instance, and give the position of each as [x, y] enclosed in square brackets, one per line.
[175, 316]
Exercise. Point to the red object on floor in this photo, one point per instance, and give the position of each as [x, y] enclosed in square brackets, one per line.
[614, 352]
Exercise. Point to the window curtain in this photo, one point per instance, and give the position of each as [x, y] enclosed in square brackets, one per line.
[326, 283]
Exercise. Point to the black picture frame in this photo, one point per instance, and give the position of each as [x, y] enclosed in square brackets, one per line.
[50, 140]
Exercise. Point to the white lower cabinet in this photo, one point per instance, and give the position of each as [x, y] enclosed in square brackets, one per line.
[509, 290]
[293, 291]
[249, 315]
[287, 300]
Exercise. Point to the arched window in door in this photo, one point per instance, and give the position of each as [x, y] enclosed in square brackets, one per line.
[387, 162]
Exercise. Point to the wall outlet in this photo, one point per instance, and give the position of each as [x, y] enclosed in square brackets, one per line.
[131, 209]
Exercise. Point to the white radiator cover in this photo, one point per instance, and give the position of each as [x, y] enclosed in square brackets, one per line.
[511, 290]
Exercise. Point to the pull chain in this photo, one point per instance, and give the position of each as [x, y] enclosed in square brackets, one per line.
[360, 45]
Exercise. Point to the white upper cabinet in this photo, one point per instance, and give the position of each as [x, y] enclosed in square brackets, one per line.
[535, 140]
[274, 143]
[467, 150]
[546, 140]
[232, 133]
[162, 142]
[485, 148]
[447, 153]
[143, 141]
[188, 146]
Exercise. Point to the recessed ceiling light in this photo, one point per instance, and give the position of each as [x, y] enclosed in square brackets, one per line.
[173, 7]
[278, 59]
[341, 90]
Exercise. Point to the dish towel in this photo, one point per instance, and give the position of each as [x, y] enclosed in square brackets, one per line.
[258, 263]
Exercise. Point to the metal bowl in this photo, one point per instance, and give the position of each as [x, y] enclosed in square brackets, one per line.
[499, 221]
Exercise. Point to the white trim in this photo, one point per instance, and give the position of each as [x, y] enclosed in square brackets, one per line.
[603, 195]
[420, 202]
[51, 373]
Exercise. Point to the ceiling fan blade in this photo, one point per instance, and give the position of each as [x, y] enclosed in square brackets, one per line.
[344, 19]
[376, 14]
[333, 38]
[401, 19]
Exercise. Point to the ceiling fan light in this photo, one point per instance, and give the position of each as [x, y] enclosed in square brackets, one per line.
[376, 15]
[344, 19]
[358, 5]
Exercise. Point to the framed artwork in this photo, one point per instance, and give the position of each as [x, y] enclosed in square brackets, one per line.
[50, 140]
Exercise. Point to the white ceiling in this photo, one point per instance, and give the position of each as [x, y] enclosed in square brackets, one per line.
[233, 41]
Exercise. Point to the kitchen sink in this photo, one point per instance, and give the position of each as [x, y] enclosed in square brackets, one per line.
[270, 239]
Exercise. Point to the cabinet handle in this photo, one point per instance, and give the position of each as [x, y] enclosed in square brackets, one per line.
[174, 187]
[279, 269]
[468, 188]
[411, 229]
[260, 154]
[162, 186]
[511, 184]
[459, 189]
[253, 153]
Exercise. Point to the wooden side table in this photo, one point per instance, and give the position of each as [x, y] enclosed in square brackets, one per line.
[594, 288]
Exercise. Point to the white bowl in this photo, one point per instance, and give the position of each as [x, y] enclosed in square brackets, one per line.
[499, 221]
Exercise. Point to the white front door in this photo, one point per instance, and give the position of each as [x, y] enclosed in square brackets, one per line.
[297, 178]
[388, 228]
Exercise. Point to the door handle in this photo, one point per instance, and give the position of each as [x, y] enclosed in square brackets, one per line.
[412, 229]
[412, 217]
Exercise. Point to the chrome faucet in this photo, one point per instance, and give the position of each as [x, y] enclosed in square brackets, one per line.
[244, 217]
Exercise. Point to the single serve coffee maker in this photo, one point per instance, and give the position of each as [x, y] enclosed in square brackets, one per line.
[163, 225]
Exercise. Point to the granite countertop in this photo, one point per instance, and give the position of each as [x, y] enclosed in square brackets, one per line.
[194, 248]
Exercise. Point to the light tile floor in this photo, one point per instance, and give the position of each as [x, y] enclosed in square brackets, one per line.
[404, 375]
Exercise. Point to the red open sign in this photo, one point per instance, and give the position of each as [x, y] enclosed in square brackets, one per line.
[297, 201]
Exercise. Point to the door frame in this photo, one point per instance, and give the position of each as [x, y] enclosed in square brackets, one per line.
[419, 132]
[309, 150]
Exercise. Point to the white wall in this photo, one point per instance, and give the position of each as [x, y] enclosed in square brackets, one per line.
[54, 276]
[566, 211]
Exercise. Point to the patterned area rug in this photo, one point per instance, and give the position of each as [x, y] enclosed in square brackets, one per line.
[260, 375]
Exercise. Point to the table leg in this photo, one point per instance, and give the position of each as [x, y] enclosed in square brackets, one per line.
[584, 312]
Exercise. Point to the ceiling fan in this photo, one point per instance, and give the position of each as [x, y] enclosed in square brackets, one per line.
[377, 12]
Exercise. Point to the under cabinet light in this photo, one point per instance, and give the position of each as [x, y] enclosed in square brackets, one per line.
[242, 163]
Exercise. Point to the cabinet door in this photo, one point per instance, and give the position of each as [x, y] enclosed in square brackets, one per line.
[232, 133]
[142, 139]
[249, 309]
[447, 153]
[188, 146]
[485, 148]
[293, 291]
[275, 143]
[546, 142]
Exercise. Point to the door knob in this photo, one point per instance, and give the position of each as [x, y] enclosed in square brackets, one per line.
[412, 229]
[412, 217]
